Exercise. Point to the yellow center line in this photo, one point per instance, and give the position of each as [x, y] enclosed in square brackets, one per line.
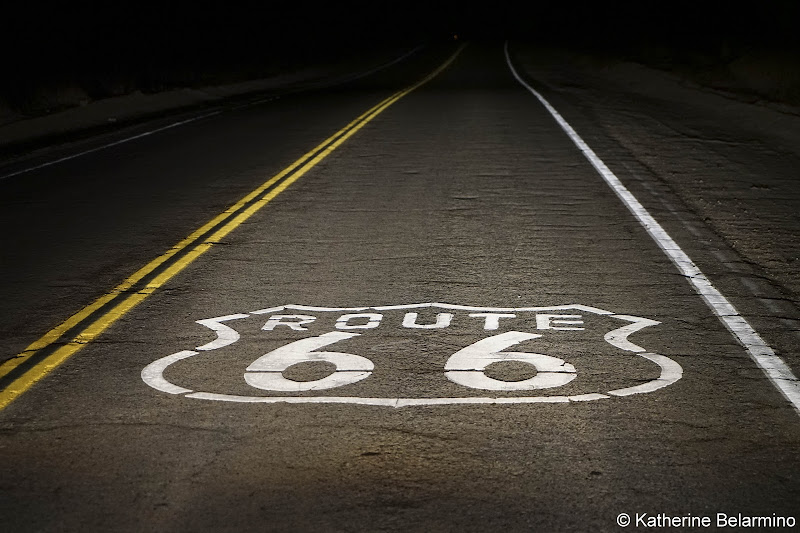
[55, 333]
[234, 218]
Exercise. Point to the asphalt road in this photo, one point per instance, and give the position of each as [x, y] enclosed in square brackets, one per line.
[567, 371]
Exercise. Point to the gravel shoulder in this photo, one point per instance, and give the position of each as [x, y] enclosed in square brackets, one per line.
[732, 162]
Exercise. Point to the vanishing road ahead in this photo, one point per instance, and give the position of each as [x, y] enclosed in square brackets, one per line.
[423, 300]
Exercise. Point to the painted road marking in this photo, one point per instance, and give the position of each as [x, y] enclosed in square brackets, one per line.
[466, 367]
[91, 321]
[327, 84]
[109, 145]
[266, 372]
[773, 366]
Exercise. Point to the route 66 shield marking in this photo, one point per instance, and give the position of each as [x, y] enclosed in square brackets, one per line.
[416, 354]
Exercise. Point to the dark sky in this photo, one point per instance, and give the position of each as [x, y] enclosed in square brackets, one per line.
[203, 23]
[54, 40]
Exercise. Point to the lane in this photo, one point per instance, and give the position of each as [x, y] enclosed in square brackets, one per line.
[762, 354]
[85, 326]
[717, 173]
[41, 156]
[87, 224]
[465, 192]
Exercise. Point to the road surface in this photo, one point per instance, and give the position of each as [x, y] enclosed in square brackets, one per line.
[445, 317]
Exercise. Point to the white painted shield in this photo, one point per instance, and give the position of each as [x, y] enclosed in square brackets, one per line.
[466, 367]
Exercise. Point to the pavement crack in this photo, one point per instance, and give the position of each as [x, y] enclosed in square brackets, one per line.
[416, 433]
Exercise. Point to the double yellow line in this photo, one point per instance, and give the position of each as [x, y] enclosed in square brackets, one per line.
[112, 306]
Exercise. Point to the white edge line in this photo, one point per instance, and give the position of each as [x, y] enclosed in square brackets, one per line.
[327, 84]
[773, 366]
[358, 76]
[109, 145]
[193, 119]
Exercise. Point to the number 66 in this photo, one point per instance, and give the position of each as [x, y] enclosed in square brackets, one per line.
[466, 367]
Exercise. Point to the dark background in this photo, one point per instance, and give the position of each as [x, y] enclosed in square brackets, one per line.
[117, 47]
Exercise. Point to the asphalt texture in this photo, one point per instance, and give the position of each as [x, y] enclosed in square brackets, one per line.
[464, 192]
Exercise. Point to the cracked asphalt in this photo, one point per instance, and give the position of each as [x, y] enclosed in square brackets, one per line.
[465, 192]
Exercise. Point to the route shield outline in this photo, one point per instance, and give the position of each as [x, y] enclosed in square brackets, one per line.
[466, 367]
